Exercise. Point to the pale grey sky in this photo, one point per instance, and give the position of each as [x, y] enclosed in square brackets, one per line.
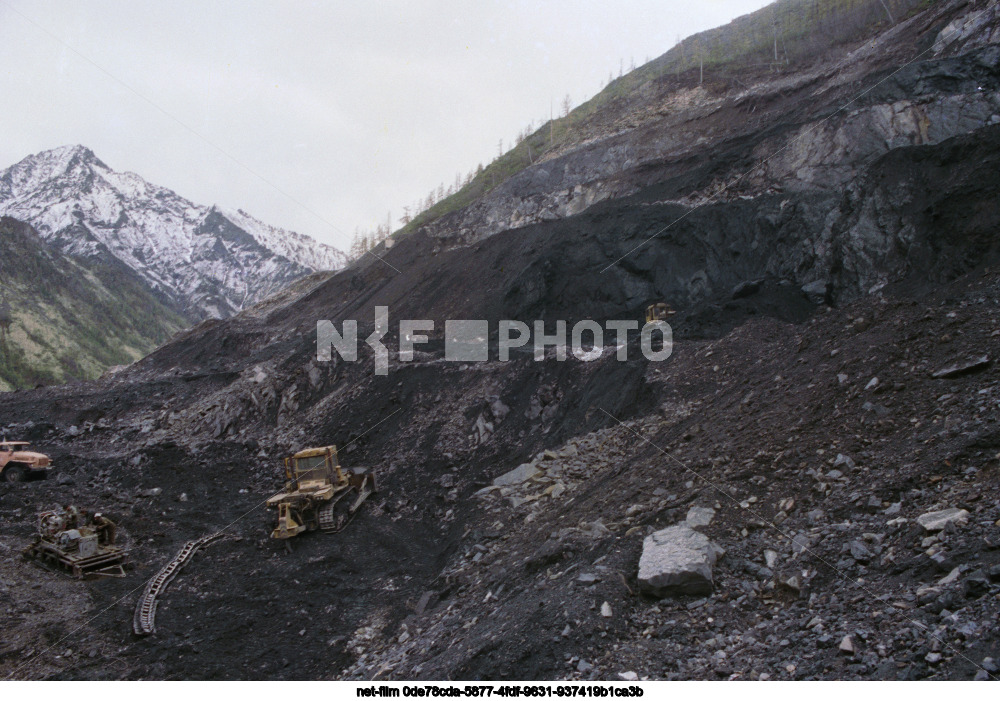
[347, 110]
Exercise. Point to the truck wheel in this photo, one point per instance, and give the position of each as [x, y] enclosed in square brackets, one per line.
[15, 473]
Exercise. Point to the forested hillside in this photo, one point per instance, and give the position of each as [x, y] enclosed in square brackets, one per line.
[70, 318]
[784, 36]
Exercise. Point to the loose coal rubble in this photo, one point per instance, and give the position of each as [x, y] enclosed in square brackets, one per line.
[857, 543]
[835, 468]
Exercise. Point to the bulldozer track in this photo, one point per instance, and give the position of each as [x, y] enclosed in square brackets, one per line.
[144, 621]
[328, 521]
[328, 517]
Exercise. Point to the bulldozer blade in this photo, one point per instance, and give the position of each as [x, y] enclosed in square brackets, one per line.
[288, 526]
[364, 493]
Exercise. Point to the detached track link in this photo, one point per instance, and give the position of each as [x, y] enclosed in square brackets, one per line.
[144, 621]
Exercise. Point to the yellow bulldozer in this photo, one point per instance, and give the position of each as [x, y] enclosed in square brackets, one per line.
[660, 311]
[317, 493]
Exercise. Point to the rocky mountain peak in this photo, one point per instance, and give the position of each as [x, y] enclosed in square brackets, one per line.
[204, 261]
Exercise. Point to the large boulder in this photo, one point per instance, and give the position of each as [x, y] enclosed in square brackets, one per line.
[677, 560]
[817, 291]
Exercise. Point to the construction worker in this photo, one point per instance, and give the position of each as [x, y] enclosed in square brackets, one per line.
[72, 515]
[105, 529]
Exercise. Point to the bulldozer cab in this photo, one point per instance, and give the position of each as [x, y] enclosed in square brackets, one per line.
[313, 468]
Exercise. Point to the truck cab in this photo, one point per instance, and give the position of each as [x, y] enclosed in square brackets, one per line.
[18, 463]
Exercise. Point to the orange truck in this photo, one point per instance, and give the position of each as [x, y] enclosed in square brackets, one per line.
[18, 464]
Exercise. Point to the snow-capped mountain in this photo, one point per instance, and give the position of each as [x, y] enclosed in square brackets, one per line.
[206, 261]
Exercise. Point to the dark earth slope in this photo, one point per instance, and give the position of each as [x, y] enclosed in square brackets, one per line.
[768, 411]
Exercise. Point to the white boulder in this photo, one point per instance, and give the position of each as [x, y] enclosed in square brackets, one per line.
[677, 560]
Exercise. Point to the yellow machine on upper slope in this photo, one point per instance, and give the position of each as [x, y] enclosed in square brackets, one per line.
[317, 491]
[660, 311]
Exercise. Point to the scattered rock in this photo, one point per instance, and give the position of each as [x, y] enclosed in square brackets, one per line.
[770, 559]
[791, 584]
[520, 474]
[942, 562]
[937, 520]
[976, 584]
[426, 602]
[844, 460]
[746, 288]
[817, 291]
[595, 529]
[606, 610]
[847, 645]
[859, 551]
[699, 516]
[962, 367]
[951, 577]
[677, 560]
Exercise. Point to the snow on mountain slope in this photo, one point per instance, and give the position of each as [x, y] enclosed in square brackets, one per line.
[206, 261]
[289, 244]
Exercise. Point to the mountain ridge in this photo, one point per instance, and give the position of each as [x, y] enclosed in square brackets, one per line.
[228, 259]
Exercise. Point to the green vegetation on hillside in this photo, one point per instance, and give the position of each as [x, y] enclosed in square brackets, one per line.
[785, 33]
[798, 31]
[70, 319]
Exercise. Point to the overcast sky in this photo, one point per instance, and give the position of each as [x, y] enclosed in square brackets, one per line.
[313, 116]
